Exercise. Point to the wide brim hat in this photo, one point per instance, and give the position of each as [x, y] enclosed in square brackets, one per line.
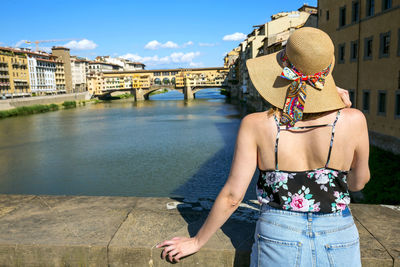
[310, 50]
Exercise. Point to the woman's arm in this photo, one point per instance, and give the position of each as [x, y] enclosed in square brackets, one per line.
[242, 170]
[359, 174]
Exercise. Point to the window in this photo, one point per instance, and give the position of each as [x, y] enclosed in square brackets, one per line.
[368, 48]
[353, 51]
[355, 13]
[398, 42]
[384, 44]
[341, 51]
[327, 15]
[342, 16]
[397, 107]
[382, 103]
[386, 4]
[366, 100]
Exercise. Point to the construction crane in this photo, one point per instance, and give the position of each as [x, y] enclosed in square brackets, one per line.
[47, 41]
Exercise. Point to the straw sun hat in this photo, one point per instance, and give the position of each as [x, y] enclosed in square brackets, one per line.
[298, 78]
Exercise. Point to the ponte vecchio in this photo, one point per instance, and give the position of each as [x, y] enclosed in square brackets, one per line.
[141, 83]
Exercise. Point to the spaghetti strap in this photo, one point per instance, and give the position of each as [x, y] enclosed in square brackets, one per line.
[276, 141]
[332, 136]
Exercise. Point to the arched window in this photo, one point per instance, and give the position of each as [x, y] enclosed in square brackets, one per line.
[165, 80]
[173, 80]
[157, 81]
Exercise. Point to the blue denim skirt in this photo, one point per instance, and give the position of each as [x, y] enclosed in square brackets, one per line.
[290, 238]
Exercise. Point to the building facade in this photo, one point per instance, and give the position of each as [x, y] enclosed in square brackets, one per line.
[78, 71]
[63, 54]
[121, 64]
[60, 76]
[265, 39]
[14, 73]
[366, 35]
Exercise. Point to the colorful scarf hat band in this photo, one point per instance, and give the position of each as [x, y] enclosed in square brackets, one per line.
[297, 91]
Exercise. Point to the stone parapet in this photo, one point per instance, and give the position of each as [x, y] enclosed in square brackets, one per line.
[43, 230]
[42, 100]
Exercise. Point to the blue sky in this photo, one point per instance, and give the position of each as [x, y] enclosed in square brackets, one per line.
[161, 34]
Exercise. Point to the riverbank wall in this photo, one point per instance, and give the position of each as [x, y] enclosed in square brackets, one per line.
[44, 230]
[42, 100]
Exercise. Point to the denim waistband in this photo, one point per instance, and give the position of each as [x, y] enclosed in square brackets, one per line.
[344, 213]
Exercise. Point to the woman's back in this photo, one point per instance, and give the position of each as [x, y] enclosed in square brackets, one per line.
[308, 149]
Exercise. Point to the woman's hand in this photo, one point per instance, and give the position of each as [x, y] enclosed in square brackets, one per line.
[344, 94]
[178, 247]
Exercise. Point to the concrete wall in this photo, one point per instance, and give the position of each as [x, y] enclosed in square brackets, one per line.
[29, 101]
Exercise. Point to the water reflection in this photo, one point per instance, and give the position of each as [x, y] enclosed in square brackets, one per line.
[125, 148]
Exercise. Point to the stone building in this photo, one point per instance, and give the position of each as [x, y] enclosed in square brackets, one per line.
[78, 71]
[63, 54]
[264, 39]
[14, 73]
[60, 76]
[95, 83]
[366, 34]
[42, 70]
[121, 64]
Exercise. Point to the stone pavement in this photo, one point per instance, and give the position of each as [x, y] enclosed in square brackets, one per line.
[47, 230]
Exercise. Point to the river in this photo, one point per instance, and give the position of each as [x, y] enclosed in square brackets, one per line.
[162, 147]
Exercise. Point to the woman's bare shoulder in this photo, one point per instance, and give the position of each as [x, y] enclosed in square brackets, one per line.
[257, 119]
[353, 115]
[353, 120]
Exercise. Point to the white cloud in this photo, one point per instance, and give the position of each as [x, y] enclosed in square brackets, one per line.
[84, 44]
[19, 43]
[187, 44]
[154, 45]
[237, 36]
[176, 57]
[169, 44]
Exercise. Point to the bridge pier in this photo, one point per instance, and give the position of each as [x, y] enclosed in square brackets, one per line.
[188, 93]
[139, 94]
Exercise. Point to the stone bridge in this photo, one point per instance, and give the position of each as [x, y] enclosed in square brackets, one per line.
[144, 93]
[143, 82]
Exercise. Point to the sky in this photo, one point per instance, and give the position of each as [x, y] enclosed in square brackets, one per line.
[158, 33]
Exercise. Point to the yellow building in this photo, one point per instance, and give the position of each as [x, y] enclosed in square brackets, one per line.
[95, 83]
[14, 74]
[60, 76]
[366, 34]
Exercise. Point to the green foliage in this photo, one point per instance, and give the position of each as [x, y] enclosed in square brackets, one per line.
[69, 104]
[27, 110]
[225, 92]
[384, 185]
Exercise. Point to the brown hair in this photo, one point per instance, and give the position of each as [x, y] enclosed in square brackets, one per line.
[306, 116]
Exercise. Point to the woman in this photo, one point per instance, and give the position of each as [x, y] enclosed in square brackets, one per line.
[309, 150]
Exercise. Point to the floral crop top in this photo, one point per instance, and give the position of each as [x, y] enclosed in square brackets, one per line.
[319, 190]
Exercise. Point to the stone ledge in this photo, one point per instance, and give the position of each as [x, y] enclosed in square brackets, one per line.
[122, 231]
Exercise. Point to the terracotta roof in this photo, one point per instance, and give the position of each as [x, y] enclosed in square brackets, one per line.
[46, 60]
[60, 47]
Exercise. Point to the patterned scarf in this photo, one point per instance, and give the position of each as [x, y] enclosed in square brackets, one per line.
[297, 91]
